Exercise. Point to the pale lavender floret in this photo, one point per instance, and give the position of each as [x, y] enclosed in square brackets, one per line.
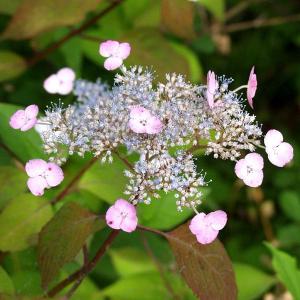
[42, 175]
[279, 153]
[122, 215]
[207, 227]
[24, 119]
[251, 87]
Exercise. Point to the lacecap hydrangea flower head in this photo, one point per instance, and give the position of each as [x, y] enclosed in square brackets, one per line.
[164, 123]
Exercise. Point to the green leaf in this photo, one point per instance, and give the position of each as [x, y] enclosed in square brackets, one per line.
[206, 269]
[288, 235]
[290, 204]
[26, 145]
[21, 220]
[12, 183]
[129, 261]
[11, 65]
[216, 7]
[151, 48]
[62, 238]
[107, 180]
[151, 215]
[33, 17]
[177, 17]
[9, 7]
[286, 270]
[251, 281]
[6, 285]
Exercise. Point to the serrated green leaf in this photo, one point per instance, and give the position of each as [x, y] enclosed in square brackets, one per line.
[286, 270]
[11, 65]
[251, 281]
[26, 145]
[6, 285]
[62, 238]
[33, 17]
[21, 220]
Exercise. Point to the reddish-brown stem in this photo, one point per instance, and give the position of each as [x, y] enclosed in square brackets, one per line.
[86, 269]
[69, 187]
[41, 55]
[124, 160]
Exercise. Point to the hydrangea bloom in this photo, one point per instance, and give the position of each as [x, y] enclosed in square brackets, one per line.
[115, 52]
[60, 83]
[207, 227]
[142, 121]
[279, 153]
[251, 87]
[24, 119]
[122, 215]
[212, 86]
[42, 175]
[249, 169]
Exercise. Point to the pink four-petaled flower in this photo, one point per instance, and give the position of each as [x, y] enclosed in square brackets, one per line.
[249, 169]
[251, 87]
[142, 121]
[42, 175]
[122, 215]
[207, 227]
[24, 119]
[60, 83]
[212, 86]
[115, 52]
[279, 152]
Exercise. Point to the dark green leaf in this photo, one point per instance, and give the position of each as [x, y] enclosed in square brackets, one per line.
[290, 204]
[6, 285]
[206, 268]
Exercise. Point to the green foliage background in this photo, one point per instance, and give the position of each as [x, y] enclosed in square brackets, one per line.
[171, 36]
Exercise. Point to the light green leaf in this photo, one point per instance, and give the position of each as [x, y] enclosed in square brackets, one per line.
[62, 238]
[290, 204]
[106, 181]
[216, 7]
[162, 213]
[251, 281]
[12, 183]
[6, 285]
[26, 145]
[129, 261]
[286, 270]
[11, 65]
[21, 220]
[33, 17]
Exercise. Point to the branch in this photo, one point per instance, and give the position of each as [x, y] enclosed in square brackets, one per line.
[85, 270]
[124, 160]
[237, 9]
[41, 55]
[67, 189]
[257, 23]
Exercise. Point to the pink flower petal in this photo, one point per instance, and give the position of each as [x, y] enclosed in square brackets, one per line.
[31, 111]
[254, 179]
[255, 161]
[18, 119]
[123, 50]
[281, 155]
[29, 124]
[136, 126]
[218, 219]
[54, 175]
[251, 87]
[37, 185]
[108, 48]
[113, 218]
[241, 169]
[154, 126]
[198, 223]
[112, 63]
[65, 87]
[207, 236]
[129, 223]
[66, 75]
[51, 84]
[35, 167]
[273, 138]
[212, 85]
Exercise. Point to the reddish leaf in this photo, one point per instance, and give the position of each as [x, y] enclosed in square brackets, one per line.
[62, 238]
[33, 17]
[177, 17]
[207, 269]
